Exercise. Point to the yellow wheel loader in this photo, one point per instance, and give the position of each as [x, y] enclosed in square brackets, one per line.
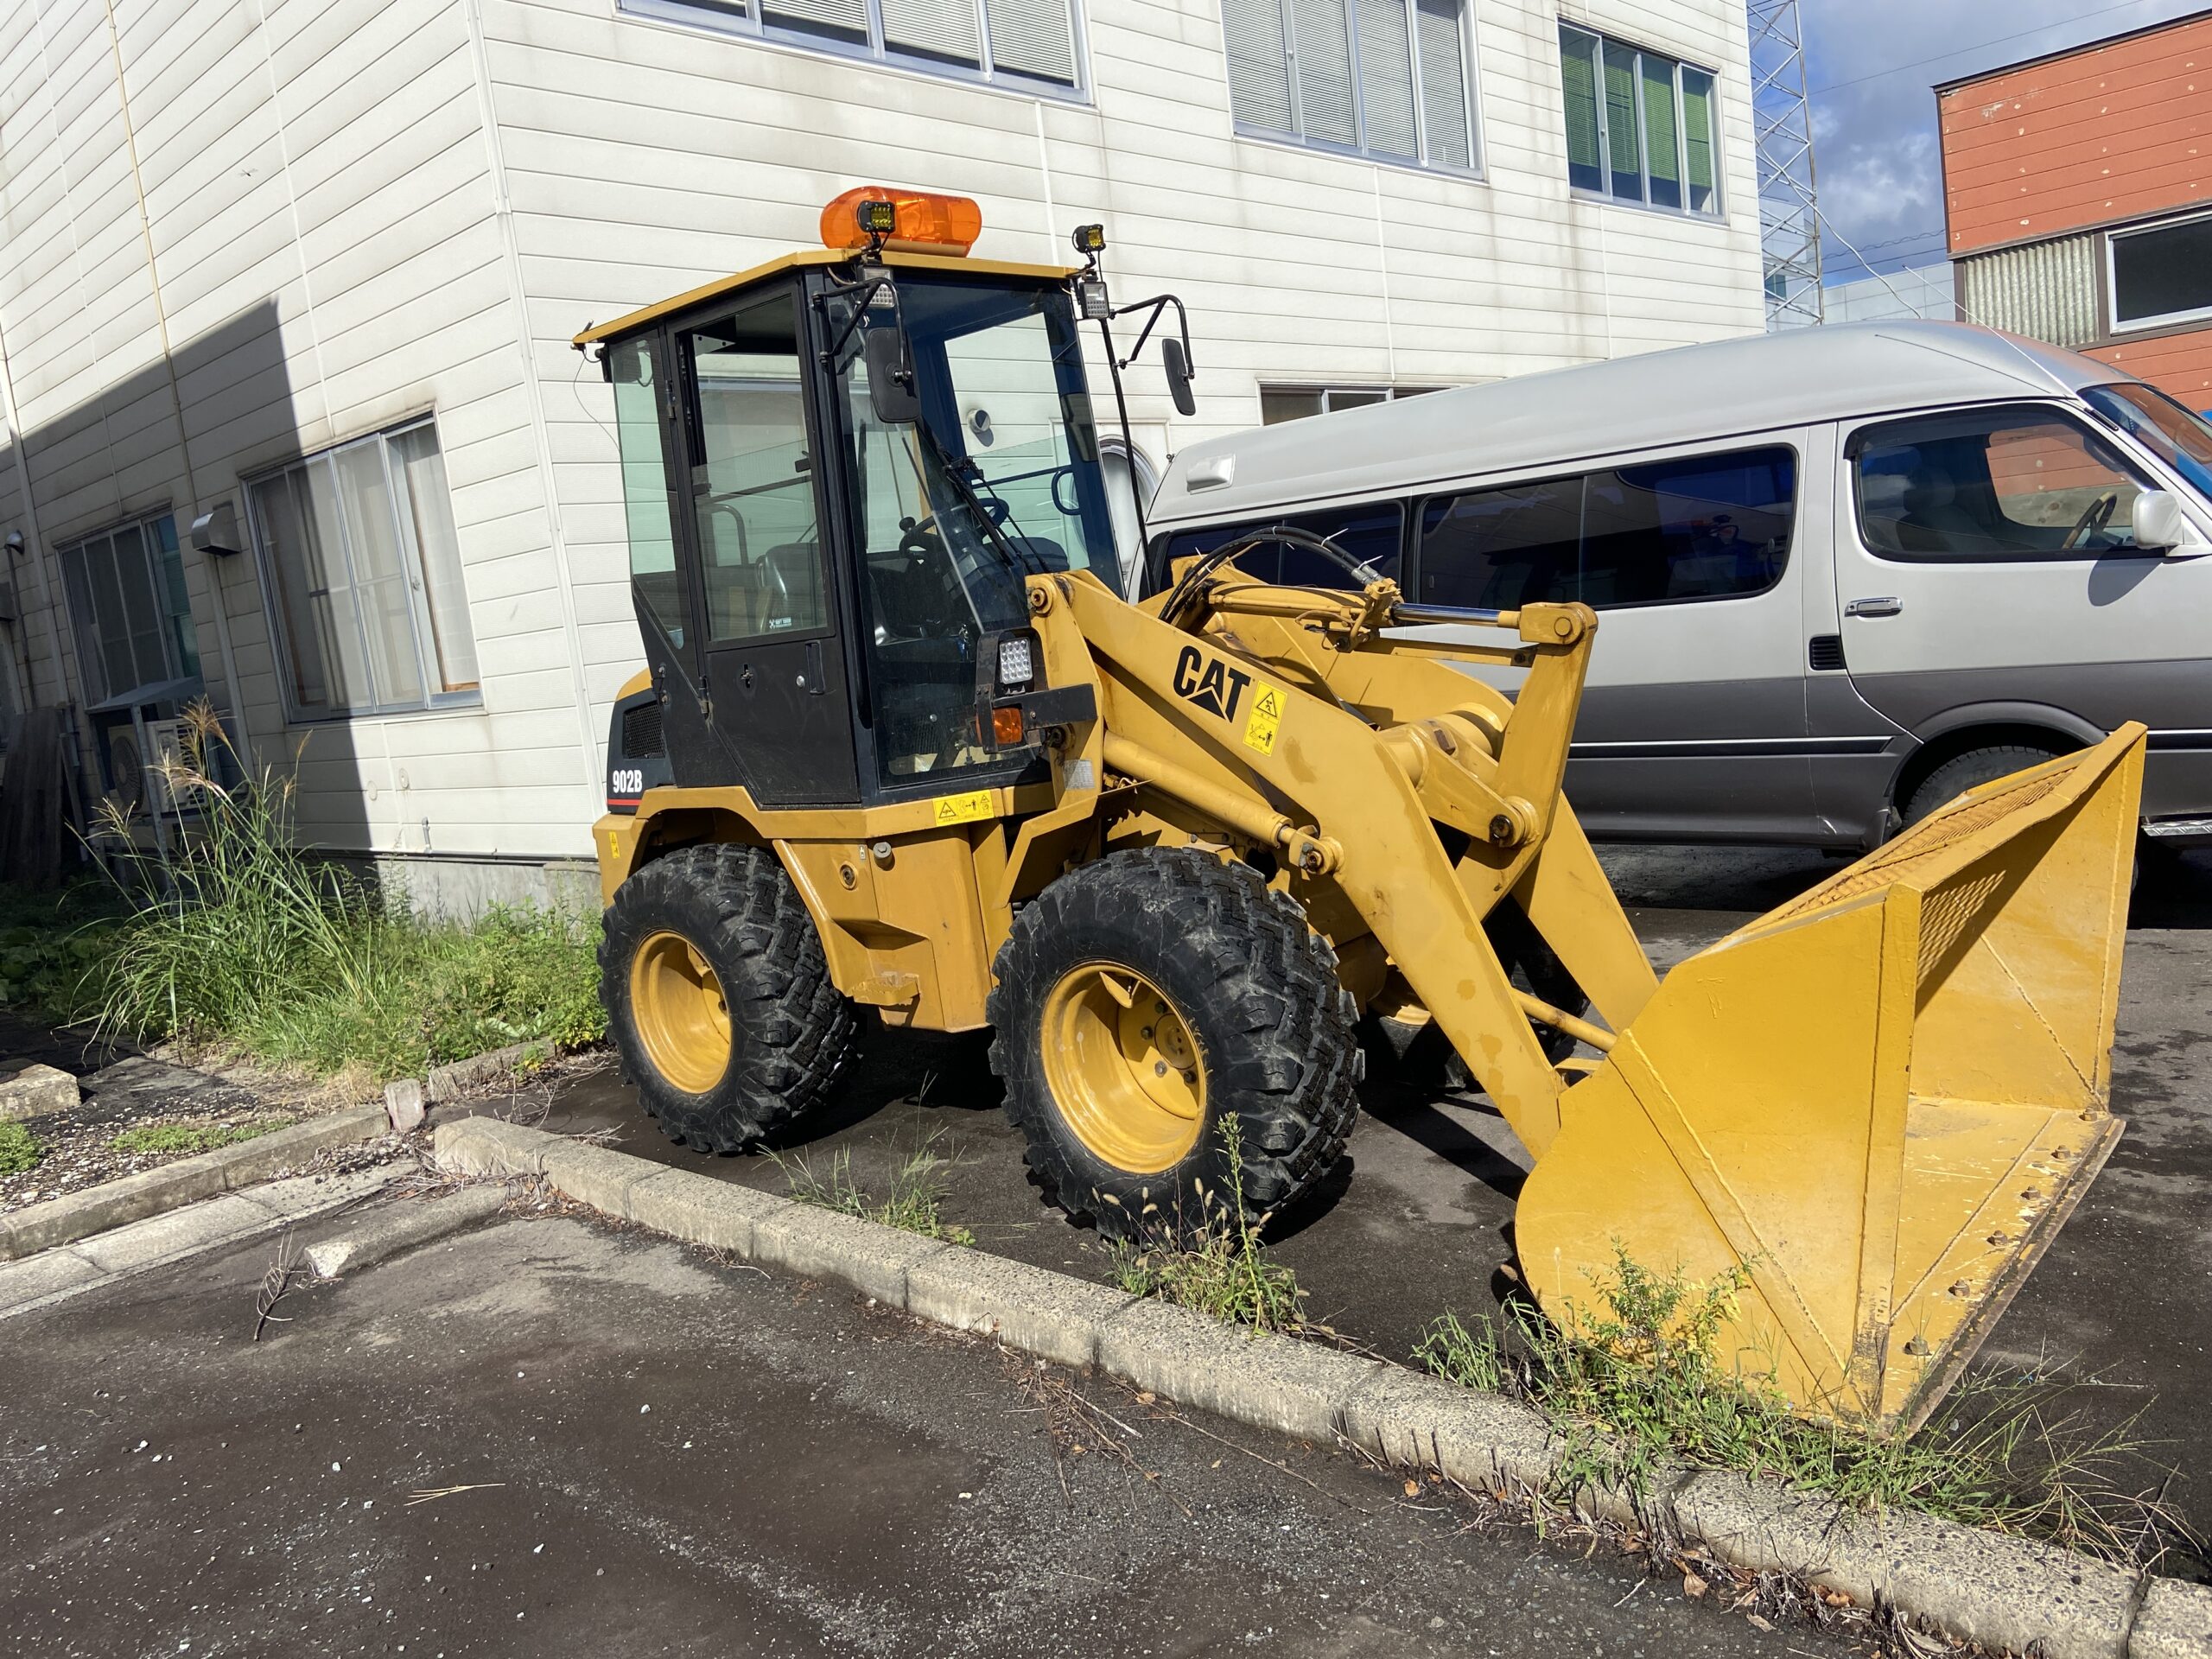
[902, 744]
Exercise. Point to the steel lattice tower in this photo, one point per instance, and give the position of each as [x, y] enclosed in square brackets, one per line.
[1781, 126]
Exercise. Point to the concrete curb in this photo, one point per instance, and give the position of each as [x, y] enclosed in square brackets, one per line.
[56, 1275]
[1979, 1586]
[132, 1197]
[387, 1232]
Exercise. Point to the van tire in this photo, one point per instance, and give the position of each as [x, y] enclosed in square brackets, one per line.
[1969, 771]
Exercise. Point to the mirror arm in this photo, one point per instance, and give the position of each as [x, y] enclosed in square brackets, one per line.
[852, 323]
[1157, 306]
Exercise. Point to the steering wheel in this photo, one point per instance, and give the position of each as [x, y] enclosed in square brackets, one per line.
[919, 539]
[2092, 520]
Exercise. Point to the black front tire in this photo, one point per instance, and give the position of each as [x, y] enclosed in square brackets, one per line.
[790, 1030]
[1969, 771]
[1257, 989]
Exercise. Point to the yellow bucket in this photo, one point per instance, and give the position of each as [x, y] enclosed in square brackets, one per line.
[1883, 1099]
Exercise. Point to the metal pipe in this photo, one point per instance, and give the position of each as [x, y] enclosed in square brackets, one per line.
[1313, 852]
[1536, 1008]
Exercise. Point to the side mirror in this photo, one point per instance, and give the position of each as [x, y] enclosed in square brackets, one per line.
[2161, 526]
[1178, 375]
[890, 377]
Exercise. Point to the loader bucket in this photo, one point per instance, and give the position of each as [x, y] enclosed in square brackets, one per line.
[1882, 1099]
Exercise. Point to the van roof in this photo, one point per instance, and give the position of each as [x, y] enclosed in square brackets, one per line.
[1690, 394]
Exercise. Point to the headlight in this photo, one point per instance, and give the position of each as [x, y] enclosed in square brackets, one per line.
[1017, 660]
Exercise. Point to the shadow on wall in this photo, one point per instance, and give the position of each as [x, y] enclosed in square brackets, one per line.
[105, 477]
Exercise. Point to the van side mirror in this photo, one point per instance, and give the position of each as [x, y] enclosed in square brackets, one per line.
[890, 377]
[1177, 364]
[2161, 526]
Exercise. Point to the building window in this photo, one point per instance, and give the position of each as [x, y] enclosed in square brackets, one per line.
[1640, 128]
[2161, 274]
[1390, 78]
[1030, 44]
[362, 566]
[1281, 404]
[127, 604]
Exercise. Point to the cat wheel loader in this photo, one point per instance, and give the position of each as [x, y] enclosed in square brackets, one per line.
[903, 744]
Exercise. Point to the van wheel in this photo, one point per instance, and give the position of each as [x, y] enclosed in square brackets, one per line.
[719, 997]
[1969, 771]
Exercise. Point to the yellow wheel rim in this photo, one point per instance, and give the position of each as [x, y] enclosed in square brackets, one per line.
[681, 1015]
[1123, 1067]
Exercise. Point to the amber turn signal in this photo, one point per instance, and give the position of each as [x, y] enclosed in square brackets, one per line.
[1006, 726]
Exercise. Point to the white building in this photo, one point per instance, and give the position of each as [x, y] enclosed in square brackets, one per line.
[318, 262]
[1915, 291]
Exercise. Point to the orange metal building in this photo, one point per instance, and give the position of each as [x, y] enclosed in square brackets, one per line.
[2077, 189]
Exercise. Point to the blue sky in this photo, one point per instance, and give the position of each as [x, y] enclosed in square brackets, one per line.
[1869, 65]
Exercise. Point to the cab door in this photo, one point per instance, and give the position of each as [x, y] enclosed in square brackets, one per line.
[765, 607]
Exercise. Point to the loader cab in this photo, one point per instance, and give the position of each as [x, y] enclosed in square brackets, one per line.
[837, 470]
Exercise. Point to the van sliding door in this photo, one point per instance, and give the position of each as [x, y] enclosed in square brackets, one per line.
[1693, 722]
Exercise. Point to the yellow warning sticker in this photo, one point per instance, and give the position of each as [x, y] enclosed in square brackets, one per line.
[1266, 718]
[961, 809]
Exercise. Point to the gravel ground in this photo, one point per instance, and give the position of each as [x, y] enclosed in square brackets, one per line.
[123, 1092]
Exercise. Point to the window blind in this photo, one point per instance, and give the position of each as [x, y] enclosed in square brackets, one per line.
[1386, 78]
[1259, 63]
[1443, 82]
[1033, 37]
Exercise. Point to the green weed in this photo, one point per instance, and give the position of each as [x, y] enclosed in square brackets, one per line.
[1639, 1383]
[157, 1137]
[52, 945]
[912, 1204]
[240, 940]
[1224, 1272]
[19, 1149]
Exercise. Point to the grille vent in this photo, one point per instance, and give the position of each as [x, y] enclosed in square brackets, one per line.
[1827, 651]
[641, 737]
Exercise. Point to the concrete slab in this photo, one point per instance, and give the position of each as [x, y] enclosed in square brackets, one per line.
[34, 1092]
[818, 1243]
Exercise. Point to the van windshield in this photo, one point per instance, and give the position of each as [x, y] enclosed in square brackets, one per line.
[2169, 429]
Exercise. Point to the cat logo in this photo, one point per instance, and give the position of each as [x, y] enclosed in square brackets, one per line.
[1213, 686]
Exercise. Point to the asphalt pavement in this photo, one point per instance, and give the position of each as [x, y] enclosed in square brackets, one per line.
[1416, 1219]
[548, 1436]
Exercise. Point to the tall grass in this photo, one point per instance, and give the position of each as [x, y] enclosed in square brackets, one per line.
[914, 1201]
[236, 938]
[1224, 1272]
[1638, 1382]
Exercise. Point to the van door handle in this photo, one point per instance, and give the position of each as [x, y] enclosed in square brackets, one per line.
[1882, 607]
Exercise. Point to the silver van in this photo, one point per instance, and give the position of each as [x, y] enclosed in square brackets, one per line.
[1844, 573]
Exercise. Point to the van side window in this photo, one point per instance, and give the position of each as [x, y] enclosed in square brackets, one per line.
[1372, 534]
[1708, 527]
[1992, 484]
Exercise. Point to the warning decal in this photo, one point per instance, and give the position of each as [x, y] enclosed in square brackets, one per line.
[1265, 719]
[961, 809]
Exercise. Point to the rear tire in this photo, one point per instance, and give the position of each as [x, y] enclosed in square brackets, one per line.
[1229, 990]
[1969, 771]
[719, 997]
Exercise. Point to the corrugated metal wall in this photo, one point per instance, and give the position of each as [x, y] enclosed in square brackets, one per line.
[2047, 290]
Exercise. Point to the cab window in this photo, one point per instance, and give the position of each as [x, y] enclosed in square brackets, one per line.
[751, 477]
[1992, 484]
